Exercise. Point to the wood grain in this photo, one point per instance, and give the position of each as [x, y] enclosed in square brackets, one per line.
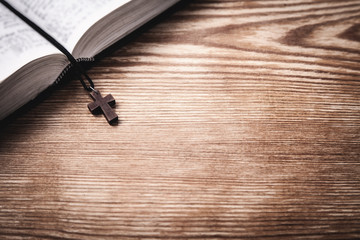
[239, 119]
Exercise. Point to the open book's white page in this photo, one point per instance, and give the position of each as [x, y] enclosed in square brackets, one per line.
[66, 20]
[19, 43]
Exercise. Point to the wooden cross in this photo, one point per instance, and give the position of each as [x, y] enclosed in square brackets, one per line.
[103, 105]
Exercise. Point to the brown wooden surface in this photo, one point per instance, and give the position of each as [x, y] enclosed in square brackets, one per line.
[239, 119]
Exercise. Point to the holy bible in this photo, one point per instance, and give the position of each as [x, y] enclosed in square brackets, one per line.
[29, 63]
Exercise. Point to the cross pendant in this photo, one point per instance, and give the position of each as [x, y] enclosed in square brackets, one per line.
[103, 105]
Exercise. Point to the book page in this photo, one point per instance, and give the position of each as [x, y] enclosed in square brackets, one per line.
[19, 43]
[66, 20]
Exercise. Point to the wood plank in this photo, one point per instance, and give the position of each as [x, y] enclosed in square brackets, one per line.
[238, 119]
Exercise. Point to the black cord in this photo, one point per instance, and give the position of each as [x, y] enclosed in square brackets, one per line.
[56, 44]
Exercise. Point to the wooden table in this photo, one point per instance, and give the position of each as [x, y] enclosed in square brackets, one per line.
[239, 119]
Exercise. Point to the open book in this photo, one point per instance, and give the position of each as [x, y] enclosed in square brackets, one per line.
[29, 63]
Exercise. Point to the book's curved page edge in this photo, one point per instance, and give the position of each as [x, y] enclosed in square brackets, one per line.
[28, 82]
[67, 20]
[118, 24]
[67, 71]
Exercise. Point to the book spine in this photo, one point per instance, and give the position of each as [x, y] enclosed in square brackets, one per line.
[70, 67]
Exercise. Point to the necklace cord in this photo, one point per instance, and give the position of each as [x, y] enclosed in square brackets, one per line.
[87, 86]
